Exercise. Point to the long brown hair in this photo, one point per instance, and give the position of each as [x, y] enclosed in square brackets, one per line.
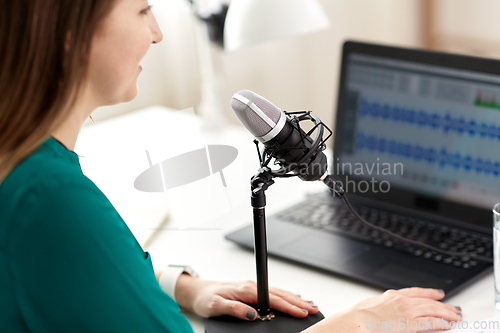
[44, 59]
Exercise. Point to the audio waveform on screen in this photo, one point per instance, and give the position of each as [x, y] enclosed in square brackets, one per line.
[447, 123]
[431, 155]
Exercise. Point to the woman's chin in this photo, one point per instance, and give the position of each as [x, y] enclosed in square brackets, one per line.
[127, 97]
[124, 97]
[130, 97]
[130, 94]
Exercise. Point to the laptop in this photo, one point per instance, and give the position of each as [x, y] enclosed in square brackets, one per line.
[417, 149]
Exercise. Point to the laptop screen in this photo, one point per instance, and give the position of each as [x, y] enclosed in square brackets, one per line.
[423, 132]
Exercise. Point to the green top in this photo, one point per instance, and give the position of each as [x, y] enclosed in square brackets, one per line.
[68, 262]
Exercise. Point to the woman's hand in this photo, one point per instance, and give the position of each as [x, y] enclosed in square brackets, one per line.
[409, 310]
[212, 298]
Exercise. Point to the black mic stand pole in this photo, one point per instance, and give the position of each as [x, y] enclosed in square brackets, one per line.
[260, 183]
[267, 321]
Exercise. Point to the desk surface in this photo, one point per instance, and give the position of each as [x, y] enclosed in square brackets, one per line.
[201, 243]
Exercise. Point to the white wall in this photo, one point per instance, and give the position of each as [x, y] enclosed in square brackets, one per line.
[298, 73]
[470, 27]
[470, 18]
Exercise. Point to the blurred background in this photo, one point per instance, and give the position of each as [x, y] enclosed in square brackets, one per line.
[301, 73]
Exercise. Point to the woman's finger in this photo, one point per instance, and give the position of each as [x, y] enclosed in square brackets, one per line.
[294, 300]
[287, 294]
[236, 309]
[435, 294]
[437, 310]
[423, 301]
[281, 305]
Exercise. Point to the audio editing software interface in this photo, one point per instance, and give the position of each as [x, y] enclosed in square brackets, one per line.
[430, 129]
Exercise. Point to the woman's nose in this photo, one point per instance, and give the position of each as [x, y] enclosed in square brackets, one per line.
[156, 31]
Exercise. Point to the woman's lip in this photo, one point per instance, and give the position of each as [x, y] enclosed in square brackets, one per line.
[140, 67]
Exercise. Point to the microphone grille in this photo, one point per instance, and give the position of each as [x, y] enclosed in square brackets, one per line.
[251, 120]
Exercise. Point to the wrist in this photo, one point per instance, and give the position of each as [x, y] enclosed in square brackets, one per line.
[186, 289]
[168, 278]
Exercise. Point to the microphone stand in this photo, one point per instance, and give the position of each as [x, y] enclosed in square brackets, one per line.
[260, 183]
[267, 321]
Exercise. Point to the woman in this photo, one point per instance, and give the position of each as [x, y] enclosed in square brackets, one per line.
[67, 261]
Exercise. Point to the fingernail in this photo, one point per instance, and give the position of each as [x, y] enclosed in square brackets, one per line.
[441, 291]
[309, 301]
[459, 314]
[304, 310]
[251, 314]
[314, 306]
[458, 308]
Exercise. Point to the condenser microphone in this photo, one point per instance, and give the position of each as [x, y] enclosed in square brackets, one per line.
[286, 141]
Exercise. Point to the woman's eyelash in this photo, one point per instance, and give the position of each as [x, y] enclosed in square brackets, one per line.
[145, 11]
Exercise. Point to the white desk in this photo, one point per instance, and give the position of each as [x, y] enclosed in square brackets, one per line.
[206, 250]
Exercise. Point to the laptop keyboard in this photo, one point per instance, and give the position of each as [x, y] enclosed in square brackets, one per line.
[325, 215]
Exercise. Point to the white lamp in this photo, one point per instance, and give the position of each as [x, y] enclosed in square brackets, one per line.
[256, 21]
[248, 22]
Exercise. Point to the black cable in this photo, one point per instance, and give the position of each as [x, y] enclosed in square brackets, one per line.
[333, 185]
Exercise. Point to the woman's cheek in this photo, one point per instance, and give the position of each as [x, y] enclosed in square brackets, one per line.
[144, 41]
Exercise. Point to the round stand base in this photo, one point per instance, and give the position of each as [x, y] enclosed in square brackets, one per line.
[282, 323]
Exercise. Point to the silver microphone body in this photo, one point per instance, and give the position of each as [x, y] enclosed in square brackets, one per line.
[287, 142]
